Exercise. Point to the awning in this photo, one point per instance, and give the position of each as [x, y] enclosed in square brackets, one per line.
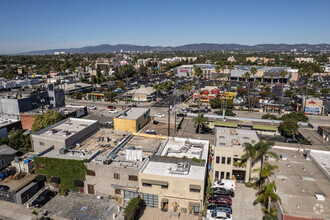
[126, 188]
[155, 182]
[194, 204]
[41, 178]
[194, 186]
[79, 183]
[164, 200]
[55, 179]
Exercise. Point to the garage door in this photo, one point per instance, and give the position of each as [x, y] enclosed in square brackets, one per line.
[151, 200]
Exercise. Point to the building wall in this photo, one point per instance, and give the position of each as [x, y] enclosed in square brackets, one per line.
[234, 152]
[6, 160]
[104, 178]
[56, 98]
[178, 190]
[139, 97]
[13, 107]
[122, 124]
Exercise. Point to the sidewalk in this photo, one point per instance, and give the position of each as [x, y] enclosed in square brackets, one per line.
[12, 211]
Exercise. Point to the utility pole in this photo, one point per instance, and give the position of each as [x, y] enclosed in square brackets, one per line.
[169, 119]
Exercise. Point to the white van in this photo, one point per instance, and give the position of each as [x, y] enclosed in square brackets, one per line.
[228, 184]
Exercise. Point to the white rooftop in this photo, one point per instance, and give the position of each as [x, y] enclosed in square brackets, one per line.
[133, 113]
[229, 136]
[322, 158]
[161, 169]
[176, 147]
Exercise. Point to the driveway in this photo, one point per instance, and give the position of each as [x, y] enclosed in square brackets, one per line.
[243, 208]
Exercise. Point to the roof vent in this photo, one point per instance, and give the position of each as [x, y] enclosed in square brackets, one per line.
[234, 142]
[233, 132]
[284, 157]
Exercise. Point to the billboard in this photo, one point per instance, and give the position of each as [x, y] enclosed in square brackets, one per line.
[312, 111]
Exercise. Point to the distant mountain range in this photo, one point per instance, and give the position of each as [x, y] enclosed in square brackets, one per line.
[108, 48]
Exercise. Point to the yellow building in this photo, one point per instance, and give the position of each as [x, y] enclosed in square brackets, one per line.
[132, 120]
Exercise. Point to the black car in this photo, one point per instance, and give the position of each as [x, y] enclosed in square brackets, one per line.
[43, 198]
[181, 115]
[132, 106]
[223, 191]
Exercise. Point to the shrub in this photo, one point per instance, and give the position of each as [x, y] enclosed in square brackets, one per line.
[196, 160]
[133, 208]
[269, 116]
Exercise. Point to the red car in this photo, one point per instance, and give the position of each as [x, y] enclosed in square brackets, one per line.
[220, 200]
[111, 107]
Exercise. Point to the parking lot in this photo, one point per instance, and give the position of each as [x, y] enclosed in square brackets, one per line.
[243, 208]
[81, 206]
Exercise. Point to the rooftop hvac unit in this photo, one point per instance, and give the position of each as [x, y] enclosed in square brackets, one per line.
[234, 142]
[77, 145]
[233, 132]
[63, 150]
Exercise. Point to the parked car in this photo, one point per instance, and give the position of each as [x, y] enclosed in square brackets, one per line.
[160, 115]
[109, 123]
[219, 208]
[153, 132]
[111, 107]
[113, 111]
[220, 215]
[219, 200]
[228, 184]
[132, 106]
[223, 191]
[43, 198]
[181, 115]
[91, 107]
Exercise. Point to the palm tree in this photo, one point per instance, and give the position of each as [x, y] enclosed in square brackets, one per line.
[199, 74]
[283, 74]
[200, 121]
[263, 150]
[265, 172]
[266, 193]
[250, 154]
[253, 72]
[158, 88]
[246, 76]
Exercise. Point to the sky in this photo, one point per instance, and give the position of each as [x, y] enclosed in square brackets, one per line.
[55, 24]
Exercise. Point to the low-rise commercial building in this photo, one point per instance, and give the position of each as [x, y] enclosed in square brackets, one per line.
[143, 94]
[175, 178]
[211, 92]
[227, 153]
[324, 131]
[63, 135]
[132, 119]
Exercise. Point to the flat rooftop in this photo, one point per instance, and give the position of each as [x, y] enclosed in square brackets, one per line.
[104, 141]
[297, 181]
[5, 122]
[184, 147]
[63, 110]
[322, 159]
[228, 137]
[133, 113]
[65, 128]
[15, 185]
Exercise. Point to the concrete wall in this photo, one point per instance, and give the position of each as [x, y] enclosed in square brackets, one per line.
[13, 107]
[178, 190]
[27, 192]
[104, 178]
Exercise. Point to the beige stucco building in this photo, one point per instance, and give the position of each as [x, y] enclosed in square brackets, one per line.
[227, 152]
[175, 179]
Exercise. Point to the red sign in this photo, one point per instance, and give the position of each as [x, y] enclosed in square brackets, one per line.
[182, 70]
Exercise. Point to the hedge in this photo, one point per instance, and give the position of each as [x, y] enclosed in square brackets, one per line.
[67, 170]
[133, 208]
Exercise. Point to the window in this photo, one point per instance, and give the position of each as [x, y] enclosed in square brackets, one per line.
[217, 160]
[216, 176]
[223, 160]
[2, 163]
[146, 184]
[229, 160]
[90, 173]
[228, 175]
[222, 175]
[132, 178]
[194, 190]
[117, 191]
[164, 187]
[42, 143]
[116, 176]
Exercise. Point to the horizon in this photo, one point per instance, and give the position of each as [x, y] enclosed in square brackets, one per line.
[41, 25]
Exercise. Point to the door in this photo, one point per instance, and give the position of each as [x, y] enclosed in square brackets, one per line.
[239, 175]
[81, 189]
[90, 189]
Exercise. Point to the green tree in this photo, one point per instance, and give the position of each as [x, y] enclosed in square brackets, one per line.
[109, 96]
[8, 73]
[200, 121]
[199, 74]
[269, 116]
[266, 194]
[77, 95]
[158, 88]
[298, 116]
[17, 140]
[133, 208]
[288, 127]
[47, 119]
[265, 172]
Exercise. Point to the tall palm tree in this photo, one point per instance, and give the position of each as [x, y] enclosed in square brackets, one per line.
[158, 88]
[266, 193]
[199, 74]
[246, 76]
[200, 121]
[283, 74]
[264, 149]
[265, 172]
[253, 72]
[250, 154]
